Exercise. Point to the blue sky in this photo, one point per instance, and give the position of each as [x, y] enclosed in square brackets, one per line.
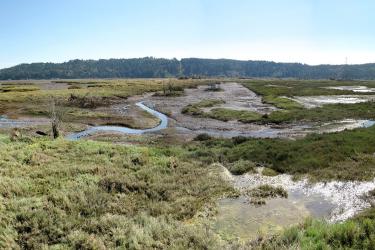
[308, 31]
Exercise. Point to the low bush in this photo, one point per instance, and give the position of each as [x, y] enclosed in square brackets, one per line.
[195, 109]
[267, 191]
[269, 172]
[86, 101]
[224, 114]
[241, 167]
[203, 137]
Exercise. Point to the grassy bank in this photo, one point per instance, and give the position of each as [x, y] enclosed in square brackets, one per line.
[88, 195]
[357, 233]
[222, 114]
[326, 113]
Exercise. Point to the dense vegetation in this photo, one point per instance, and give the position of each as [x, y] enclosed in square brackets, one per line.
[155, 67]
[346, 155]
[87, 195]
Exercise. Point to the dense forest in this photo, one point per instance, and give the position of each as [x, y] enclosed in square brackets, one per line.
[149, 67]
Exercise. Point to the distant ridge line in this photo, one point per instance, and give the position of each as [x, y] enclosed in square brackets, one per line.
[150, 67]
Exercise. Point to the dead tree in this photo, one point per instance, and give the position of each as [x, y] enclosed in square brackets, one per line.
[55, 115]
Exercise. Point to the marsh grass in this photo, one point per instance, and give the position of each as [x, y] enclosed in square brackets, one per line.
[267, 191]
[241, 167]
[292, 88]
[269, 172]
[10, 88]
[357, 233]
[196, 108]
[258, 195]
[224, 114]
[94, 195]
[282, 102]
[331, 112]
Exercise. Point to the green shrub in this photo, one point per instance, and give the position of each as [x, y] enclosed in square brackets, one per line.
[195, 109]
[267, 191]
[269, 172]
[241, 167]
[203, 137]
[224, 114]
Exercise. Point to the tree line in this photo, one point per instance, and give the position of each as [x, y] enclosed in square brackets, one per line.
[150, 67]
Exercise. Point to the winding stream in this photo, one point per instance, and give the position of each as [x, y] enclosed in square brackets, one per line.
[162, 125]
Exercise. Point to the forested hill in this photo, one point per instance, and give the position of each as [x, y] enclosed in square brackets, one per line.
[155, 67]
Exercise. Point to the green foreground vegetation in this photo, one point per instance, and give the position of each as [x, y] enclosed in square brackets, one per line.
[356, 233]
[90, 195]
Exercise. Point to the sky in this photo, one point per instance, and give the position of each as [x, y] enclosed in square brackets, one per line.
[306, 31]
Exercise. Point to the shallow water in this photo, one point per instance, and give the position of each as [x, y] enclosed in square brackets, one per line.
[162, 125]
[292, 131]
[237, 218]
[337, 126]
[359, 89]
[318, 101]
[6, 123]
